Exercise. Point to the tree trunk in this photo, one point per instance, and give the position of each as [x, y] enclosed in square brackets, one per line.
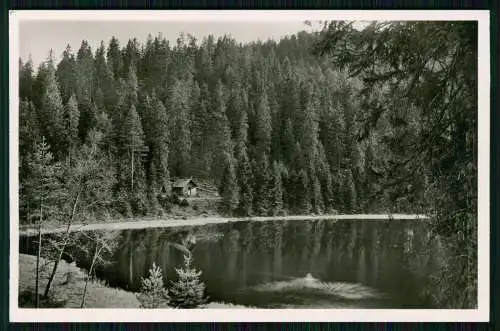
[96, 254]
[132, 175]
[130, 275]
[65, 243]
[39, 250]
[53, 273]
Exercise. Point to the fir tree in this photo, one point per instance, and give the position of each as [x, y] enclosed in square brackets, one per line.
[43, 191]
[51, 110]
[276, 188]
[114, 58]
[229, 187]
[26, 79]
[153, 293]
[188, 291]
[71, 120]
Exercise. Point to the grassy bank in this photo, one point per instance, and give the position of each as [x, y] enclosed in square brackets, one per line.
[69, 294]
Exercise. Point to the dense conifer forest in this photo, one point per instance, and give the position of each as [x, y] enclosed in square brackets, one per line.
[271, 124]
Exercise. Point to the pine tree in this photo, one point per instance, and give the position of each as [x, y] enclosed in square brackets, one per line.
[134, 141]
[229, 188]
[219, 133]
[84, 73]
[244, 170]
[153, 294]
[277, 189]
[66, 74]
[262, 181]
[114, 58]
[263, 126]
[349, 192]
[71, 120]
[28, 128]
[43, 191]
[303, 192]
[26, 79]
[103, 81]
[180, 125]
[188, 291]
[88, 116]
[51, 110]
[157, 138]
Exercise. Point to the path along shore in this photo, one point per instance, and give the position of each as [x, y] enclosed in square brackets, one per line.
[165, 223]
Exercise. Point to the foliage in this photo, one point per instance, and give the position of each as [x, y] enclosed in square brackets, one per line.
[419, 90]
[153, 293]
[188, 291]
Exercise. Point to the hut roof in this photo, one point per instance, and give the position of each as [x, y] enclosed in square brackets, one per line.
[183, 182]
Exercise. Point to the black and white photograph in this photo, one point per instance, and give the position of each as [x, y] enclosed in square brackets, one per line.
[267, 166]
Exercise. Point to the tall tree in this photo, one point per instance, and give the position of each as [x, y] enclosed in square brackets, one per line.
[180, 125]
[133, 137]
[71, 120]
[276, 188]
[114, 58]
[229, 187]
[84, 72]
[26, 79]
[66, 74]
[51, 110]
[43, 192]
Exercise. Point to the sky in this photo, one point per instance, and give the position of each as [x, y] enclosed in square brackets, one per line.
[36, 38]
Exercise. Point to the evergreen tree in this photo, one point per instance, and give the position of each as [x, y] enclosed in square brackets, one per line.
[349, 192]
[157, 138]
[42, 191]
[84, 73]
[276, 188]
[114, 58]
[88, 116]
[26, 79]
[244, 170]
[28, 128]
[262, 196]
[188, 291]
[153, 294]
[133, 137]
[103, 81]
[219, 133]
[71, 120]
[303, 192]
[66, 74]
[229, 187]
[181, 136]
[263, 126]
[51, 110]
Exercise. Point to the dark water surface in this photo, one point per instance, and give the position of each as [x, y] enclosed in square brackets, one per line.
[287, 264]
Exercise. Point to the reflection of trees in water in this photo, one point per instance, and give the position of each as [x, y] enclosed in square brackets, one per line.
[231, 247]
[373, 253]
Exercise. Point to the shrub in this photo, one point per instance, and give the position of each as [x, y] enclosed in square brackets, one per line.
[153, 294]
[188, 291]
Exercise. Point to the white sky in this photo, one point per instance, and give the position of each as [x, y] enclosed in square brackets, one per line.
[38, 37]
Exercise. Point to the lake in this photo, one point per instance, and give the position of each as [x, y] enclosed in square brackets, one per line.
[286, 264]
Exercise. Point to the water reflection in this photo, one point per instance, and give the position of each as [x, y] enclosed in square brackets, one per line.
[343, 263]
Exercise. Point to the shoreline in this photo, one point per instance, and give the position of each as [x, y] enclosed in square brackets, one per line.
[197, 221]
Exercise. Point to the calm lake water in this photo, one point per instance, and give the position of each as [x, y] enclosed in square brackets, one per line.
[287, 264]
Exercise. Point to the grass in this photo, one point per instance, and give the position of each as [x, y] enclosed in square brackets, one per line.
[69, 295]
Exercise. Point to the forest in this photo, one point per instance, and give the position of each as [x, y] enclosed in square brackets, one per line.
[382, 119]
[272, 125]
